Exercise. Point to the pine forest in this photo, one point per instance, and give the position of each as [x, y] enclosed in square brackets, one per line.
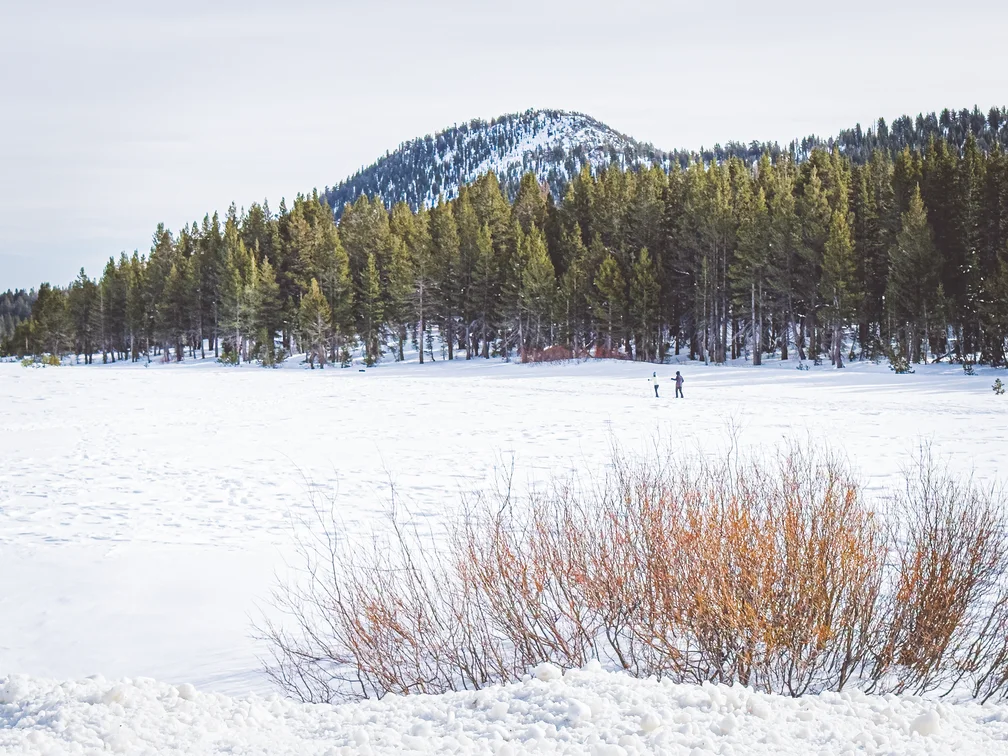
[869, 248]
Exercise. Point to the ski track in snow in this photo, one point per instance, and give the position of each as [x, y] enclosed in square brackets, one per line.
[144, 512]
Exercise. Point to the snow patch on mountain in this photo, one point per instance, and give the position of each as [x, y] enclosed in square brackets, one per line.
[554, 144]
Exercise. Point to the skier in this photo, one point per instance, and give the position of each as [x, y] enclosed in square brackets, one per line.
[654, 377]
[678, 385]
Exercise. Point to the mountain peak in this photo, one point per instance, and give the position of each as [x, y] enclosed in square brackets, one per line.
[554, 144]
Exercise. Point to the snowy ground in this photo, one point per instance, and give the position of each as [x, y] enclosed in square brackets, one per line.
[143, 511]
[583, 712]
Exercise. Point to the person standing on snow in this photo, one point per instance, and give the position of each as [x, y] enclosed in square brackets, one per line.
[678, 385]
[654, 377]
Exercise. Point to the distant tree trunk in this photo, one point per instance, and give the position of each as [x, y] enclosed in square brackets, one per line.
[724, 329]
[927, 336]
[421, 324]
[837, 339]
[796, 327]
[782, 335]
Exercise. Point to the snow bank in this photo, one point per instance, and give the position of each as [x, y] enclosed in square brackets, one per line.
[585, 711]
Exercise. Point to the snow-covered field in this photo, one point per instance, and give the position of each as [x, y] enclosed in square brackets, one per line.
[143, 512]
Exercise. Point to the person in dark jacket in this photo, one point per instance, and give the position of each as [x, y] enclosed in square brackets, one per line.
[678, 385]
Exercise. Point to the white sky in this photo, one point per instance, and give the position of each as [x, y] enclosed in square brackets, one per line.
[117, 115]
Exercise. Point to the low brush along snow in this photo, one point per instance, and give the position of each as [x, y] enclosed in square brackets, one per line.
[145, 513]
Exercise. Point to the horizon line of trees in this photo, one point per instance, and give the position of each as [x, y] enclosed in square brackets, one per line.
[827, 258]
[15, 308]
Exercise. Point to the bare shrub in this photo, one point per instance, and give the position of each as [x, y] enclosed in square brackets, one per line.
[777, 565]
[943, 615]
[986, 662]
[772, 571]
[525, 571]
[364, 620]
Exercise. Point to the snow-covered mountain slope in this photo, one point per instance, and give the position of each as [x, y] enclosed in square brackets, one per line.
[556, 143]
[585, 711]
[553, 143]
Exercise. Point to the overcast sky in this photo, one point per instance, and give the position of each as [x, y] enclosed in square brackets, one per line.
[118, 115]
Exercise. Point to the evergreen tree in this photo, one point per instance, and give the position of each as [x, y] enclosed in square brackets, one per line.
[538, 288]
[492, 210]
[173, 309]
[15, 317]
[315, 320]
[510, 266]
[784, 276]
[838, 288]
[748, 272]
[644, 291]
[268, 315]
[646, 210]
[936, 178]
[484, 288]
[912, 292]
[447, 262]
[968, 236]
[995, 314]
[330, 266]
[468, 231]
[610, 301]
[364, 230]
[708, 247]
[112, 306]
[673, 262]
[85, 315]
[210, 270]
[529, 207]
[416, 234]
[815, 217]
[159, 264]
[399, 292]
[575, 289]
[372, 312]
[238, 295]
[136, 306]
[259, 231]
[51, 320]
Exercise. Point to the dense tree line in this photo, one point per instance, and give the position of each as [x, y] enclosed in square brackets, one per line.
[953, 126]
[15, 308]
[823, 258]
